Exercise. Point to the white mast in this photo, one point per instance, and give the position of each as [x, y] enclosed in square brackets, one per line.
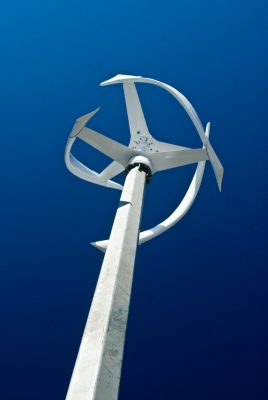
[96, 375]
[97, 370]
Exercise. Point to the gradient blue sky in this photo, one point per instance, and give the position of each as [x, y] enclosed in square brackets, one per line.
[198, 319]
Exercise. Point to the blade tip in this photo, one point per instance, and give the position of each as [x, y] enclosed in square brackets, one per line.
[99, 246]
[119, 78]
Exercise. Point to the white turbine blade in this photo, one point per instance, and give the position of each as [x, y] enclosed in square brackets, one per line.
[136, 120]
[100, 245]
[111, 171]
[107, 146]
[83, 172]
[216, 165]
[81, 122]
[75, 166]
[120, 78]
[173, 159]
[215, 162]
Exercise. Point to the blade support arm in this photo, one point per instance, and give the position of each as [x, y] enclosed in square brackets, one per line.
[80, 170]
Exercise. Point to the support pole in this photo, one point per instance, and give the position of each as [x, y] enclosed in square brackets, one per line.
[96, 374]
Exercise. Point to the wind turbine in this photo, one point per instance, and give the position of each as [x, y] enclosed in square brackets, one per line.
[96, 374]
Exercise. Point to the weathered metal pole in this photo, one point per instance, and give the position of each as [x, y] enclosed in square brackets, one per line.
[96, 375]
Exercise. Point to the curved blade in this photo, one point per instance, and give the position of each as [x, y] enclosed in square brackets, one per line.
[216, 165]
[120, 78]
[215, 162]
[81, 122]
[173, 159]
[107, 146]
[111, 171]
[83, 172]
[75, 166]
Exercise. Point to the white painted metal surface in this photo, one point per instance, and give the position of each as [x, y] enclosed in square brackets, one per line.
[128, 79]
[142, 140]
[79, 169]
[177, 214]
[97, 369]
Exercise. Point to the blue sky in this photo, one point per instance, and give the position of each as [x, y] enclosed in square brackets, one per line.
[198, 318]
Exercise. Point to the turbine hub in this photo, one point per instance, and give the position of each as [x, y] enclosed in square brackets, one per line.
[144, 143]
[143, 163]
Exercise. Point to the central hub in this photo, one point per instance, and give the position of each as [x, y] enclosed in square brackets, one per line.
[143, 163]
[143, 143]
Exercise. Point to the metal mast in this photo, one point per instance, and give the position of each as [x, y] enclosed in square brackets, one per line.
[97, 369]
[96, 375]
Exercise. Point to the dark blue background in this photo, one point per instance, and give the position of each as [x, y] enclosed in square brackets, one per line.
[198, 320]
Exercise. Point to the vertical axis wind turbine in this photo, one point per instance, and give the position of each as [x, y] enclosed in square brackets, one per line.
[96, 374]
